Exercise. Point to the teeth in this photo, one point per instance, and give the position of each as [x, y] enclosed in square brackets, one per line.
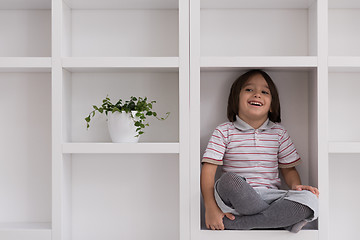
[255, 103]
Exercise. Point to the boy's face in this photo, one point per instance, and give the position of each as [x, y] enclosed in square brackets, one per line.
[254, 100]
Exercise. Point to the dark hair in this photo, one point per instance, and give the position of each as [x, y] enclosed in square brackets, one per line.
[233, 102]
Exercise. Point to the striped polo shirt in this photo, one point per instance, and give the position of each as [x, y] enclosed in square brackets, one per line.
[256, 154]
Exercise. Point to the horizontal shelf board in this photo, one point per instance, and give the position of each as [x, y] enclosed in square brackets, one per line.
[344, 4]
[24, 4]
[25, 231]
[124, 4]
[77, 64]
[24, 226]
[25, 64]
[257, 3]
[344, 64]
[258, 62]
[344, 147]
[120, 148]
[258, 234]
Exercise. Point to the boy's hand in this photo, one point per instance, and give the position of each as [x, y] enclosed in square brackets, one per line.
[214, 219]
[314, 190]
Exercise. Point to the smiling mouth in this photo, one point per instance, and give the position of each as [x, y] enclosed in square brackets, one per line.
[258, 104]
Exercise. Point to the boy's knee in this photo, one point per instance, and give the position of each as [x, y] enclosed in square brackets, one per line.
[231, 177]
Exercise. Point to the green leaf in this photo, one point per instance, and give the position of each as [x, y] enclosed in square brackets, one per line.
[149, 113]
[115, 109]
[87, 119]
[140, 133]
[132, 106]
[154, 114]
[137, 124]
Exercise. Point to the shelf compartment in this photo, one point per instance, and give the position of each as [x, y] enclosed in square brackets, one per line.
[258, 62]
[298, 91]
[25, 64]
[343, 179]
[113, 187]
[344, 34]
[25, 231]
[25, 33]
[120, 29]
[121, 148]
[169, 64]
[25, 175]
[344, 147]
[162, 87]
[244, 29]
[343, 95]
[298, 97]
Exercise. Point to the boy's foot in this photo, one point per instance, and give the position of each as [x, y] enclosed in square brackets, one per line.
[297, 226]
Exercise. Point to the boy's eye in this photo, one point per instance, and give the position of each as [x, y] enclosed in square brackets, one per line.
[265, 92]
[248, 90]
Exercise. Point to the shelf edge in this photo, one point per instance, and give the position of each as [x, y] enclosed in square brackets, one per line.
[346, 64]
[261, 61]
[120, 62]
[25, 64]
[120, 148]
[344, 147]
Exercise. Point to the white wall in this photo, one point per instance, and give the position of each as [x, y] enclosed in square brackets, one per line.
[25, 160]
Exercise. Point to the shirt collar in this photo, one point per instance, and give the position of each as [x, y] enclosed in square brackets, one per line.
[243, 126]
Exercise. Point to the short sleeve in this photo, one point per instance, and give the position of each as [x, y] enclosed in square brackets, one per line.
[287, 155]
[216, 147]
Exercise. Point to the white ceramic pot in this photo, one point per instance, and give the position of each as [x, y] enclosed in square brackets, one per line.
[121, 127]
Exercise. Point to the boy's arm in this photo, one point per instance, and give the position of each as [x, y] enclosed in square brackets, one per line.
[213, 214]
[292, 179]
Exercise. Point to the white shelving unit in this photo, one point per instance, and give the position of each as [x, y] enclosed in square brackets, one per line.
[288, 39]
[120, 49]
[60, 181]
[344, 143]
[25, 98]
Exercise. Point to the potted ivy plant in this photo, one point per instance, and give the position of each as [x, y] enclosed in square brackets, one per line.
[126, 120]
